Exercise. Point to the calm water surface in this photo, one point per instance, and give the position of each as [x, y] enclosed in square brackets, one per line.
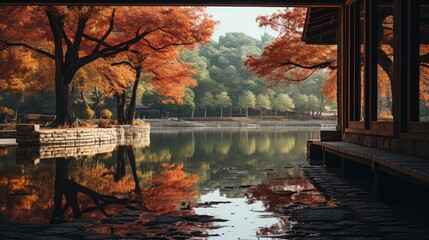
[245, 178]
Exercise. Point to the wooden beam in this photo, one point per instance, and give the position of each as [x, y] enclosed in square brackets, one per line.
[321, 30]
[259, 3]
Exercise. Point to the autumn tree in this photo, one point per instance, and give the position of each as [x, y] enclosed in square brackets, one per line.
[288, 59]
[74, 36]
[23, 73]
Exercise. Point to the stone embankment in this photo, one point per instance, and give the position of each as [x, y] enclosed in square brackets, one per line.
[32, 134]
[7, 134]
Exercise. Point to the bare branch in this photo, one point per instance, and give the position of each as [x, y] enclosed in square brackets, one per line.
[66, 39]
[43, 52]
[167, 45]
[111, 25]
[94, 39]
[319, 65]
[124, 63]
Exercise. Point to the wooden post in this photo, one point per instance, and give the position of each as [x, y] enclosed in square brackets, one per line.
[377, 181]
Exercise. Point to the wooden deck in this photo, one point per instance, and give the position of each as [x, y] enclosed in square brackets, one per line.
[406, 167]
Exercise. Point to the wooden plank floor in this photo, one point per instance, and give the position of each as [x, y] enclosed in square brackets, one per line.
[414, 167]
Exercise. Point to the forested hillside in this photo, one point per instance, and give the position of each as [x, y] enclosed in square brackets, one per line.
[225, 86]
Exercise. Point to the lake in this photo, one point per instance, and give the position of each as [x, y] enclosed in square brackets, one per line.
[199, 183]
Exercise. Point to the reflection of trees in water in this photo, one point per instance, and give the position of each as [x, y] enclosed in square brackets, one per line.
[247, 144]
[26, 192]
[263, 142]
[91, 191]
[66, 188]
[170, 188]
[283, 144]
[285, 191]
[208, 151]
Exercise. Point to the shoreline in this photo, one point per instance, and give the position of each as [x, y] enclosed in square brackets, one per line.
[238, 123]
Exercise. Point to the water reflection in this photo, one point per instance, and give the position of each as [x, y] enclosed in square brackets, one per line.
[168, 178]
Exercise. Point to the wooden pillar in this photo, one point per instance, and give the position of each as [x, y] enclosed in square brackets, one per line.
[412, 100]
[341, 76]
[401, 63]
[371, 63]
[377, 182]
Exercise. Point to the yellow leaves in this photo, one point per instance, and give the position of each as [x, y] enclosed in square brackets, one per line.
[25, 71]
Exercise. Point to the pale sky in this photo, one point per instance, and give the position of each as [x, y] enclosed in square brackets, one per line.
[240, 19]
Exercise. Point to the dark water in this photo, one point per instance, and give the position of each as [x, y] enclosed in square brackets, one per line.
[245, 178]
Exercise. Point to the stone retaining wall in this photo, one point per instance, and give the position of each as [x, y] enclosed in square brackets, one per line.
[31, 134]
[7, 133]
[402, 146]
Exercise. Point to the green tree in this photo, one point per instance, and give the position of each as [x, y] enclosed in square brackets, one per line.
[301, 101]
[188, 101]
[207, 101]
[312, 104]
[283, 103]
[223, 100]
[262, 102]
[247, 100]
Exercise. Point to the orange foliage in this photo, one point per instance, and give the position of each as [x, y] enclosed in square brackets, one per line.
[24, 71]
[288, 59]
[280, 191]
[424, 76]
[169, 189]
[75, 36]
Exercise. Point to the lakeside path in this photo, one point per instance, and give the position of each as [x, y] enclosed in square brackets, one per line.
[239, 122]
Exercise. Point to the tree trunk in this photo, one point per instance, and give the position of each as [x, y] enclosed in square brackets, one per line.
[192, 114]
[161, 111]
[61, 170]
[15, 111]
[84, 100]
[65, 115]
[261, 113]
[247, 112]
[230, 111]
[64, 111]
[120, 107]
[120, 163]
[179, 109]
[132, 159]
[132, 106]
[205, 112]
[98, 100]
[276, 113]
[221, 111]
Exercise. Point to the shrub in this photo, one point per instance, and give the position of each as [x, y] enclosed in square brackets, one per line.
[106, 114]
[89, 113]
